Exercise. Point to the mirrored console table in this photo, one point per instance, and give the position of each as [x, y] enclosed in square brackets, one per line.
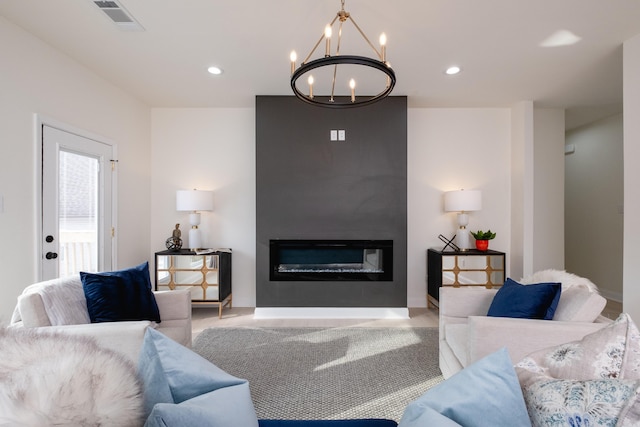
[207, 276]
[463, 268]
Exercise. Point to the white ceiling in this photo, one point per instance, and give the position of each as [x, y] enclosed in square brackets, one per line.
[496, 42]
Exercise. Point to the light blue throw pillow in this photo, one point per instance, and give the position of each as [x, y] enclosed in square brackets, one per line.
[486, 393]
[179, 383]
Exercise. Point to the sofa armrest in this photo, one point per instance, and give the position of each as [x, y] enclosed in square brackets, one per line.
[457, 304]
[521, 336]
[174, 305]
[465, 301]
[122, 337]
[175, 315]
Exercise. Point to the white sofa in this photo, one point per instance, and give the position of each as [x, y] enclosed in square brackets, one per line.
[65, 310]
[467, 334]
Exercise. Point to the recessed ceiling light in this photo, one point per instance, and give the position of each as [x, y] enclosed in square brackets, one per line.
[214, 70]
[453, 70]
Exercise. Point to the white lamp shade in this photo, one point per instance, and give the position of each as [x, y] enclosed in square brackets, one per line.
[194, 200]
[463, 201]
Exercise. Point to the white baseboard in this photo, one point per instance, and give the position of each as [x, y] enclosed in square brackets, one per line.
[331, 313]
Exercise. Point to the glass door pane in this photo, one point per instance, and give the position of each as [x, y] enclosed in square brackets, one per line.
[78, 213]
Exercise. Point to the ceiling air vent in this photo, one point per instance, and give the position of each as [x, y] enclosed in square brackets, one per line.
[119, 15]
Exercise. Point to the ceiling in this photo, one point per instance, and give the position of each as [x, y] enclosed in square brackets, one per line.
[498, 44]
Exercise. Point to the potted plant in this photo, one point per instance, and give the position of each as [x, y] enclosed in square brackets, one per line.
[482, 239]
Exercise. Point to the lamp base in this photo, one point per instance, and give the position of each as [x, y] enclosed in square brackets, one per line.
[463, 240]
[194, 239]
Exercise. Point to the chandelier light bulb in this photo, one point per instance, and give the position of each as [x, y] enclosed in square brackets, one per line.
[352, 85]
[293, 58]
[383, 46]
[310, 81]
[327, 35]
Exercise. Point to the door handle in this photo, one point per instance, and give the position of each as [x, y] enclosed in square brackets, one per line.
[51, 255]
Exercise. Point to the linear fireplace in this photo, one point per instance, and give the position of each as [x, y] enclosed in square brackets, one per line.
[331, 260]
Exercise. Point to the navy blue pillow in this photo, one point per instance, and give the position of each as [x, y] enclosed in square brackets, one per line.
[536, 301]
[120, 295]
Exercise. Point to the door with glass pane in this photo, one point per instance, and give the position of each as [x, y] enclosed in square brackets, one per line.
[76, 204]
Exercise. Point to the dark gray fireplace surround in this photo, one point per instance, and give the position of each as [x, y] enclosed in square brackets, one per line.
[309, 188]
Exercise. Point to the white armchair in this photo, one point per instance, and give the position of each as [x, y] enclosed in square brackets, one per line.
[65, 310]
[467, 334]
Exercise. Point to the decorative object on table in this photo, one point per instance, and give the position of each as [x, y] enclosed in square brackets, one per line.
[463, 201]
[331, 68]
[174, 242]
[448, 243]
[194, 201]
[482, 239]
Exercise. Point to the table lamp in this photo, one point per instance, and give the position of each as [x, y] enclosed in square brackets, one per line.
[194, 201]
[463, 201]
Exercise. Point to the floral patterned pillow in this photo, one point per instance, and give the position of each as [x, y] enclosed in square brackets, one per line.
[589, 403]
[591, 382]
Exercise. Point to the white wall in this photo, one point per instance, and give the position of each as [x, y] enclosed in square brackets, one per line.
[36, 79]
[631, 78]
[594, 202]
[444, 156]
[521, 167]
[208, 149]
[548, 189]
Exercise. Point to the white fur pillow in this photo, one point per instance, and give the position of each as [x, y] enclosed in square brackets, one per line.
[559, 276]
[63, 380]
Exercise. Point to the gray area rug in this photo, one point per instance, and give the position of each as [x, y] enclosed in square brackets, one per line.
[327, 373]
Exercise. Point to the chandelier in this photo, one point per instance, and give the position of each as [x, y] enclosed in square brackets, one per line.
[336, 72]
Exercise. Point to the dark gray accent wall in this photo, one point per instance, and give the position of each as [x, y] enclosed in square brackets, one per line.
[308, 187]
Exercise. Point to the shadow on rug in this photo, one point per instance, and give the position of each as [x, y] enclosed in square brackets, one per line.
[332, 373]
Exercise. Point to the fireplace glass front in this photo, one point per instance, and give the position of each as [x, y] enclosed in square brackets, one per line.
[334, 260]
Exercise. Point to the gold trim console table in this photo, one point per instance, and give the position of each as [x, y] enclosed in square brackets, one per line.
[208, 275]
[463, 268]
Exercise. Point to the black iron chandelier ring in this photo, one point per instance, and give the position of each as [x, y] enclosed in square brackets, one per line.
[341, 60]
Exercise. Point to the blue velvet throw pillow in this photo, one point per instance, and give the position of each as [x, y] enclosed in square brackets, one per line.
[536, 301]
[122, 295]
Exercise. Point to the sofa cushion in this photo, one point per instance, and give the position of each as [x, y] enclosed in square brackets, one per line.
[535, 301]
[486, 393]
[53, 302]
[579, 304]
[120, 295]
[457, 335]
[599, 373]
[179, 382]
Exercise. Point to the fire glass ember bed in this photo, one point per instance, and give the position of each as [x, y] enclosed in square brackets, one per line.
[331, 260]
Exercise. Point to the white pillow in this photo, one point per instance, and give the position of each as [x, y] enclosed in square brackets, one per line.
[578, 304]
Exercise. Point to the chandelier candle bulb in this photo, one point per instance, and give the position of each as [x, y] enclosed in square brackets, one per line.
[383, 46]
[293, 58]
[310, 81]
[352, 85]
[327, 35]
